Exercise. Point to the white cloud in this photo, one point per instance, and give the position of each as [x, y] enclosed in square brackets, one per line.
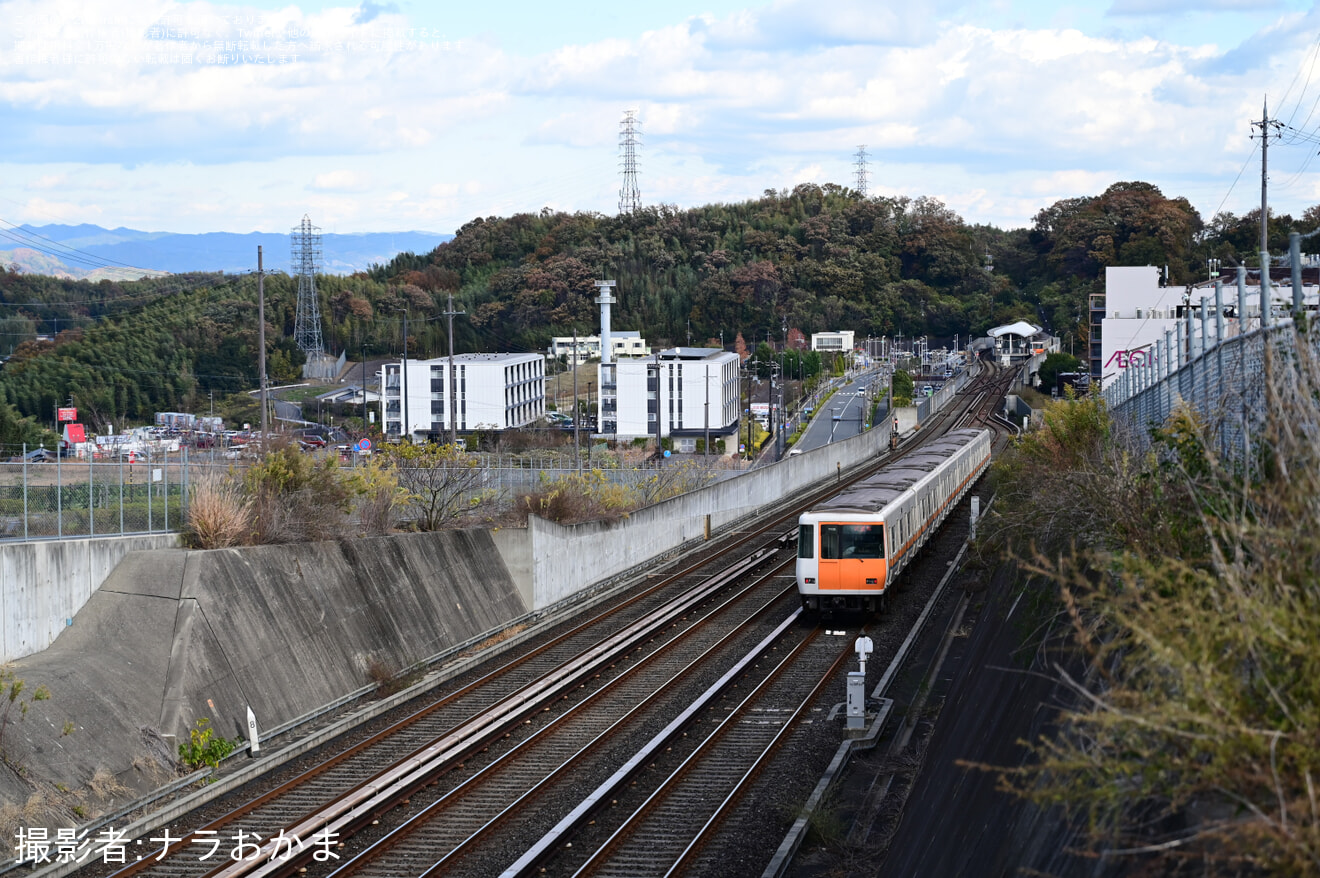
[342, 181]
[1000, 120]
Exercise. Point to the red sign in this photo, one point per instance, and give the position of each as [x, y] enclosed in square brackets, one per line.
[66, 414]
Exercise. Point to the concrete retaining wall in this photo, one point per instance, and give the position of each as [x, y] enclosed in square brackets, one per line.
[44, 583]
[174, 635]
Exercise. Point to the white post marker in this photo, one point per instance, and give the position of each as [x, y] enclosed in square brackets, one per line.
[255, 747]
[863, 646]
[976, 513]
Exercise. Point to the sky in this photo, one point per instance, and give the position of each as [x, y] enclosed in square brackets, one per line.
[199, 116]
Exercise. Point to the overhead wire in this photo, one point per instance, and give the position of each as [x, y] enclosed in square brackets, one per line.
[1302, 95]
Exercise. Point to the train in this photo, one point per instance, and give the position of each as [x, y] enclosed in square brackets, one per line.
[853, 546]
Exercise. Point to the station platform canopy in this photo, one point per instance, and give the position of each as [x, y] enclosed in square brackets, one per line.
[1021, 328]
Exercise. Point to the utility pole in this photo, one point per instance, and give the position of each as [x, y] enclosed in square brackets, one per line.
[261, 340]
[577, 442]
[453, 378]
[1265, 125]
[406, 432]
[707, 373]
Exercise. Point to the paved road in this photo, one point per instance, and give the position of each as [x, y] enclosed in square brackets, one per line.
[849, 406]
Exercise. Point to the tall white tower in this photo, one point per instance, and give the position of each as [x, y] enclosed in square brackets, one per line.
[605, 300]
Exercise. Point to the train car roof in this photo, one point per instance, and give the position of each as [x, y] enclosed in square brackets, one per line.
[878, 490]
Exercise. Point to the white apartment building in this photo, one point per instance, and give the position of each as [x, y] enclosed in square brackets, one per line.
[683, 393]
[623, 344]
[832, 341]
[488, 391]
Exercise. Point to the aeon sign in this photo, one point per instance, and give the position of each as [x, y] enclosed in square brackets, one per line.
[1131, 359]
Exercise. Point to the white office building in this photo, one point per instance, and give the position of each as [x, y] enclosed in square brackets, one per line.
[488, 392]
[1135, 312]
[832, 341]
[682, 393]
[622, 343]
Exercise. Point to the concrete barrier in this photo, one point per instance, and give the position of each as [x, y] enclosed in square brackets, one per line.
[44, 583]
[569, 558]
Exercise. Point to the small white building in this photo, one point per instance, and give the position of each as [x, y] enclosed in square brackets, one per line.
[623, 344]
[488, 392]
[832, 341]
[682, 393]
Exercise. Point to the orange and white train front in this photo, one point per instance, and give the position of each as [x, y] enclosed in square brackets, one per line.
[841, 561]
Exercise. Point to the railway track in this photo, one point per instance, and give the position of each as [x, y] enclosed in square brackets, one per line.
[444, 747]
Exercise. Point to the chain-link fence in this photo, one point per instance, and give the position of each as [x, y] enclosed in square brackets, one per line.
[44, 496]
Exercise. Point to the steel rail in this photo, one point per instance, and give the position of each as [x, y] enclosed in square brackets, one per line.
[771, 748]
[260, 801]
[548, 842]
[694, 760]
[398, 781]
[589, 749]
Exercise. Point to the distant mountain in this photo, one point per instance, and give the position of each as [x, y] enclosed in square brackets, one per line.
[82, 251]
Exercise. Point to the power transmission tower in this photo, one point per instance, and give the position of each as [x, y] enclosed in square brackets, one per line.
[630, 137]
[306, 260]
[861, 172]
[1268, 128]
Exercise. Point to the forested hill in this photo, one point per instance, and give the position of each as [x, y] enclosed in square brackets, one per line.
[815, 258]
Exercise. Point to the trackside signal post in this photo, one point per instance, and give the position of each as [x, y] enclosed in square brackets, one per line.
[857, 684]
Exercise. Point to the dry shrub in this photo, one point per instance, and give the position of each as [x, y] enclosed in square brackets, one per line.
[219, 515]
[389, 679]
[557, 505]
[295, 499]
[580, 497]
[38, 810]
[105, 786]
[1193, 601]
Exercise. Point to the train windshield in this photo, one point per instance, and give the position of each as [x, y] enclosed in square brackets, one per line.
[852, 540]
[806, 541]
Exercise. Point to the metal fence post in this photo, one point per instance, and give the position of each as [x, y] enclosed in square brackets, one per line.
[150, 490]
[1265, 315]
[91, 494]
[59, 492]
[25, 492]
[121, 492]
[165, 483]
[183, 488]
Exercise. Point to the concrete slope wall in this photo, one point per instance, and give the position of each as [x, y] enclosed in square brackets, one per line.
[44, 583]
[287, 629]
[173, 635]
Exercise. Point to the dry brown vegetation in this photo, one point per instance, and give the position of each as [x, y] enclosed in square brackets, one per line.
[1188, 584]
[593, 496]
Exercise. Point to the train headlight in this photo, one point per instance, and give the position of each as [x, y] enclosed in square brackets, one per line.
[809, 580]
[871, 580]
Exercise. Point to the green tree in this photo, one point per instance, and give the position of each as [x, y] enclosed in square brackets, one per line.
[1053, 365]
[903, 385]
